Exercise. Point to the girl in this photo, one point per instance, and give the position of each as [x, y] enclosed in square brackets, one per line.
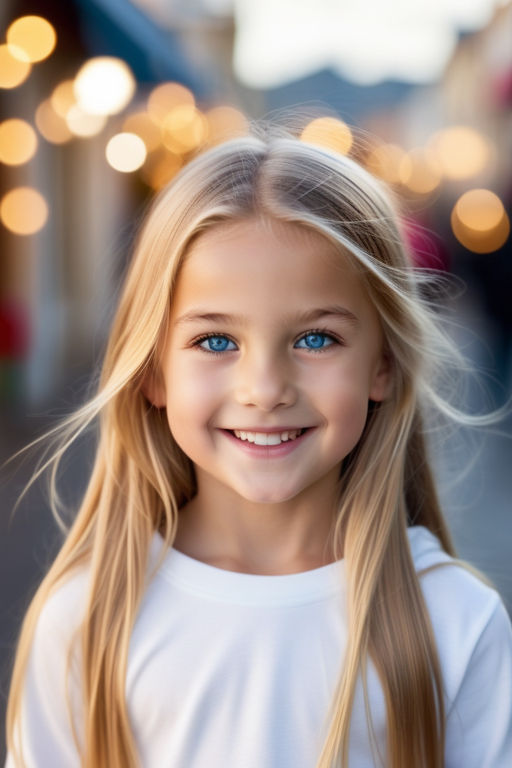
[259, 575]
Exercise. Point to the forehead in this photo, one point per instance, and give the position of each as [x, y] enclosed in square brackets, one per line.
[262, 265]
[263, 246]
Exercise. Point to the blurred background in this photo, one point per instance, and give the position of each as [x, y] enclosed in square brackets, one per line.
[103, 101]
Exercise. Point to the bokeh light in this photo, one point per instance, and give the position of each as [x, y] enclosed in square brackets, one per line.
[461, 151]
[160, 167]
[104, 85]
[329, 132]
[419, 171]
[84, 124]
[143, 126]
[166, 97]
[13, 72]
[63, 97]
[384, 161]
[184, 129]
[18, 142]
[31, 38]
[224, 123]
[479, 221]
[50, 125]
[126, 152]
[23, 211]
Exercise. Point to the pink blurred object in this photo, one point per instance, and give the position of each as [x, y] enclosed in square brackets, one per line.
[14, 330]
[426, 248]
[501, 89]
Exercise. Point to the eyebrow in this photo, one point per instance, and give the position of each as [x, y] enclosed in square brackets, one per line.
[308, 316]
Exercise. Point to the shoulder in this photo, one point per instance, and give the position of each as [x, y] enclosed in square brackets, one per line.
[469, 620]
[51, 708]
[449, 584]
[62, 613]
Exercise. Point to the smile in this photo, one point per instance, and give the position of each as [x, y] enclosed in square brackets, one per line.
[268, 438]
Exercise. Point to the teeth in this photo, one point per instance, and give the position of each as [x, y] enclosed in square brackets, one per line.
[267, 438]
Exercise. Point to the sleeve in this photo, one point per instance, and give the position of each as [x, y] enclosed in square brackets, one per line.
[46, 731]
[479, 722]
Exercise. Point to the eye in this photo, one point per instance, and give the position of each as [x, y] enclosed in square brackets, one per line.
[215, 343]
[315, 340]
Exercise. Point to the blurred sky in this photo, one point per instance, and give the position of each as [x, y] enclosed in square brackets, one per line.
[366, 41]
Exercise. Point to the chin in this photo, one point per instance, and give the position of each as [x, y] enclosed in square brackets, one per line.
[266, 496]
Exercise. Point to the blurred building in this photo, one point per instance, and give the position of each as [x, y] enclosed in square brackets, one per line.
[67, 215]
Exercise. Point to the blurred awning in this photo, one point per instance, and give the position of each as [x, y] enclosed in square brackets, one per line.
[119, 28]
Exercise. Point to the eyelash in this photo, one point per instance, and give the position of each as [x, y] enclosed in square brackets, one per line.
[319, 331]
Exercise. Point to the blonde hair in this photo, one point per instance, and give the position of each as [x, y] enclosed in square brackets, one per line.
[141, 478]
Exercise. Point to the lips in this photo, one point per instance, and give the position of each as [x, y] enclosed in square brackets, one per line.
[268, 444]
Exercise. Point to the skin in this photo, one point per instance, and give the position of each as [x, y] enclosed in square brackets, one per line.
[265, 514]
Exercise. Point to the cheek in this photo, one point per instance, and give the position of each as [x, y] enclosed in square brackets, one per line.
[344, 401]
[191, 393]
[350, 408]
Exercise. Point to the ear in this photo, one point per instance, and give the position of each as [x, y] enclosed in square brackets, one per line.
[153, 388]
[382, 380]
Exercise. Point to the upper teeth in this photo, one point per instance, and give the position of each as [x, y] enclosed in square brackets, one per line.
[267, 438]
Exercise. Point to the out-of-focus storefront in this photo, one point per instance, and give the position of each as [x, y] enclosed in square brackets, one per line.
[71, 185]
[448, 151]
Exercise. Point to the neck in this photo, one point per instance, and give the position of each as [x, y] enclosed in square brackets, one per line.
[236, 534]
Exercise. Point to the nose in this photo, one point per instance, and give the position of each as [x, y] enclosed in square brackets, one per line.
[265, 380]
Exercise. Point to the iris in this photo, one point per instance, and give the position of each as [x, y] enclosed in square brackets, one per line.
[217, 344]
[314, 341]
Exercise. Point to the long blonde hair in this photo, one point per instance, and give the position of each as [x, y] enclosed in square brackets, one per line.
[141, 478]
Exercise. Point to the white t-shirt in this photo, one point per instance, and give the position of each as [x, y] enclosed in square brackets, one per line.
[235, 670]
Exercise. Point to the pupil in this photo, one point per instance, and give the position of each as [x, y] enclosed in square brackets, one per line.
[315, 340]
[217, 343]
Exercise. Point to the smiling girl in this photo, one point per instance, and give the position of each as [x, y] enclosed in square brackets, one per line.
[259, 575]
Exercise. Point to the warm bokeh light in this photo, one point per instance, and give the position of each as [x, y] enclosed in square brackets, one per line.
[23, 211]
[18, 142]
[479, 221]
[461, 151]
[84, 124]
[328, 132]
[143, 126]
[104, 85]
[419, 171]
[184, 129]
[51, 125]
[160, 167]
[166, 97]
[13, 72]
[31, 38]
[384, 161]
[126, 152]
[225, 123]
[63, 97]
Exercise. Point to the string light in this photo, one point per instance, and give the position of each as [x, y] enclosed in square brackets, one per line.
[479, 221]
[329, 132]
[31, 38]
[13, 72]
[23, 211]
[104, 86]
[126, 152]
[18, 142]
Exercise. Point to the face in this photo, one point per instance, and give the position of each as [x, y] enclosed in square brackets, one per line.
[272, 355]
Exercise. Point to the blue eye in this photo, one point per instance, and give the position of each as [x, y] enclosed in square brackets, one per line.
[216, 344]
[315, 341]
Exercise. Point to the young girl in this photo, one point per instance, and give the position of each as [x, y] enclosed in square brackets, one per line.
[259, 575]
